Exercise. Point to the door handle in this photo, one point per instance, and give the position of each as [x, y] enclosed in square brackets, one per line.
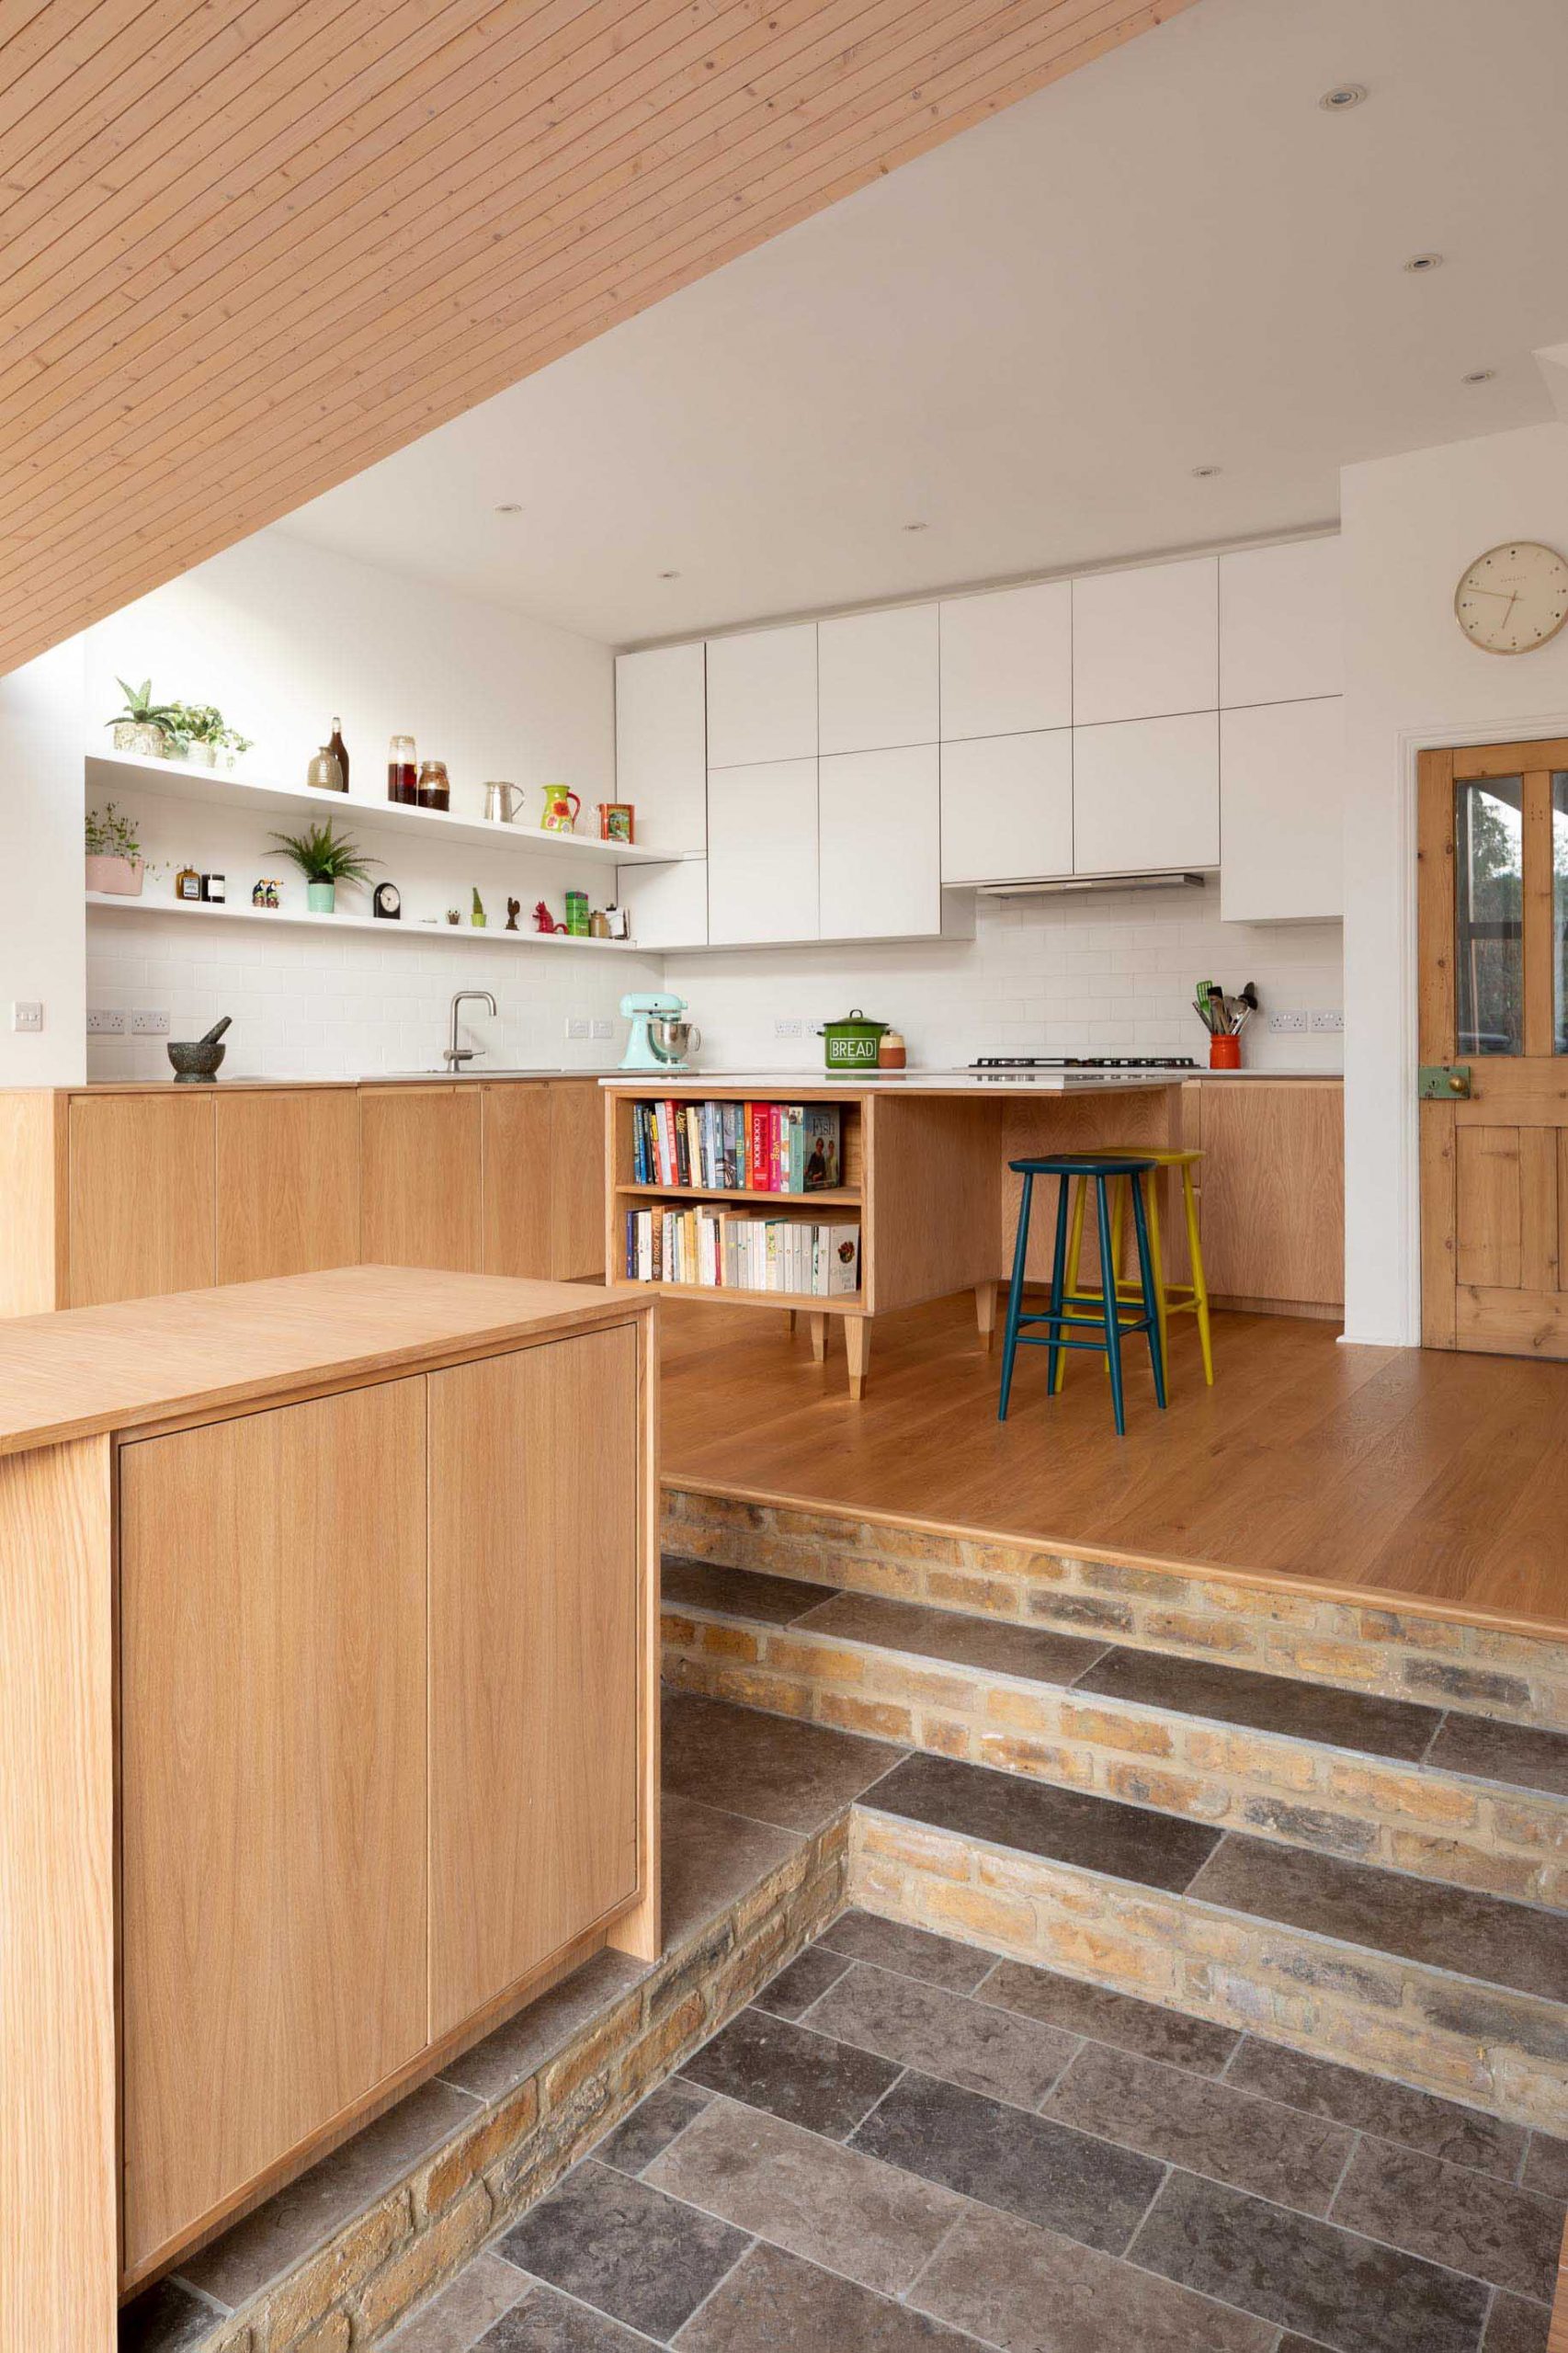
[1443, 1081]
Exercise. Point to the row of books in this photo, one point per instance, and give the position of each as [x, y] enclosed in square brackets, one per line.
[730, 1249]
[739, 1147]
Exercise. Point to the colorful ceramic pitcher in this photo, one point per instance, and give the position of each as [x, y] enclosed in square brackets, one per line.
[558, 817]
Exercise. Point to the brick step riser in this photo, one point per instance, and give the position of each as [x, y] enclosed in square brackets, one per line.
[1355, 1647]
[1503, 2052]
[1429, 1825]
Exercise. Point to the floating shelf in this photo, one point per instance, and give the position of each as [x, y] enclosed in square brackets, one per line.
[492, 935]
[839, 1198]
[174, 780]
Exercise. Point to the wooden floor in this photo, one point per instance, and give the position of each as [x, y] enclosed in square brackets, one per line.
[1384, 1471]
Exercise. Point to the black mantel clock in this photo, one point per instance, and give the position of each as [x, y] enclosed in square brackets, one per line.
[388, 901]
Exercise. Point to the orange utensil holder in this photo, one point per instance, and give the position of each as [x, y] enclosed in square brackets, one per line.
[1224, 1053]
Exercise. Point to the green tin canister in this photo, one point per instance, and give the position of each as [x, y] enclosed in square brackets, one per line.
[851, 1046]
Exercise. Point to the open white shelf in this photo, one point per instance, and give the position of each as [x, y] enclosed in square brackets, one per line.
[441, 934]
[108, 772]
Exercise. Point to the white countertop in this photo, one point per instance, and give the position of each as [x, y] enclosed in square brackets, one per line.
[942, 1081]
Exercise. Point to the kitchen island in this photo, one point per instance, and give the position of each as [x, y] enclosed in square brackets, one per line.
[328, 1672]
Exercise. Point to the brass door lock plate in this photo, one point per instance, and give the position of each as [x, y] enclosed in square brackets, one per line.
[1443, 1081]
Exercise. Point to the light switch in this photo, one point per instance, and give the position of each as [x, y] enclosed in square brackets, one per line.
[27, 1013]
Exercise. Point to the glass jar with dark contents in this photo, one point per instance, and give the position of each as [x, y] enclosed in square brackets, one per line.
[403, 784]
[435, 791]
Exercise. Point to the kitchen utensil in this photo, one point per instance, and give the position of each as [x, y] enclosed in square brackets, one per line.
[852, 1044]
[660, 1040]
[211, 1036]
[1225, 1051]
[194, 1060]
[502, 802]
[558, 818]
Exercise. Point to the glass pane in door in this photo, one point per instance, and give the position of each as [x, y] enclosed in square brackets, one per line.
[1560, 912]
[1489, 951]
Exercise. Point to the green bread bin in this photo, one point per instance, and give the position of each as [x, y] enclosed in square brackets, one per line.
[852, 1045]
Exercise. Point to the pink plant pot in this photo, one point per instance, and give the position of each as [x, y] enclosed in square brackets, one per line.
[122, 877]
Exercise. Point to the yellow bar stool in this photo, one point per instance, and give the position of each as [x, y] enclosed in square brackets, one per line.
[1173, 1298]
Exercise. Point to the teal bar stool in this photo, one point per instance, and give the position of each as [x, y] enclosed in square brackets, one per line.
[1115, 1319]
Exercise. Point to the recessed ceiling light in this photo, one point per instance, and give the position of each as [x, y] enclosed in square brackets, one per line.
[1202, 474]
[509, 510]
[669, 575]
[918, 527]
[1479, 376]
[1343, 95]
[1419, 263]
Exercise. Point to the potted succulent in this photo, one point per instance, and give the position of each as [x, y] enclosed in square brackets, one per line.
[325, 859]
[200, 733]
[143, 726]
[114, 854]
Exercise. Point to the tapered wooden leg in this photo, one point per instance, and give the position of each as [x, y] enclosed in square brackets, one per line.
[857, 1341]
[985, 1314]
[819, 1336]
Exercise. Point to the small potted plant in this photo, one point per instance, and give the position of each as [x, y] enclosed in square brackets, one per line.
[114, 853]
[143, 726]
[200, 733]
[326, 858]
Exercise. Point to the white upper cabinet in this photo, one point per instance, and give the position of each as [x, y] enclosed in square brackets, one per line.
[877, 679]
[762, 852]
[1146, 795]
[762, 696]
[1280, 626]
[1282, 808]
[1146, 642]
[1007, 807]
[1008, 661]
[668, 904]
[881, 871]
[661, 745]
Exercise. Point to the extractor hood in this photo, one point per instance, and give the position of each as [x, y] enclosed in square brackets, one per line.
[1022, 890]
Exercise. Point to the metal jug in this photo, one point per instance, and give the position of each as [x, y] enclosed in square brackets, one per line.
[502, 802]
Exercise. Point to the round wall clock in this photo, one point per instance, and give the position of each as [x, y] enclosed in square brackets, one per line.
[1514, 597]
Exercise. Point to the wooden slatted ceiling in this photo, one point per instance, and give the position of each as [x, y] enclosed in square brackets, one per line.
[251, 246]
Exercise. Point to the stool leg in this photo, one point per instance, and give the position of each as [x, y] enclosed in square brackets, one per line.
[1015, 1297]
[1157, 1260]
[1199, 1286]
[1150, 1300]
[1055, 1354]
[1112, 1316]
[1074, 1264]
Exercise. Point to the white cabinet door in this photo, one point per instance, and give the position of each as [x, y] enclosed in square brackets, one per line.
[661, 745]
[1282, 811]
[877, 679]
[1146, 795]
[1146, 641]
[1008, 661]
[1280, 623]
[668, 904]
[1007, 807]
[762, 696]
[762, 852]
[881, 852]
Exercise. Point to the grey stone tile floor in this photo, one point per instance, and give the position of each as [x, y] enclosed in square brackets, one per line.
[907, 2144]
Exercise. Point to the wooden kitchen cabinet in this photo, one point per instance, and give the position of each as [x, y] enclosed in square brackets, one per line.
[274, 1788]
[140, 1188]
[288, 1182]
[535, 1685]
[1272, 1190]
[543, 1179]
[421, 1182]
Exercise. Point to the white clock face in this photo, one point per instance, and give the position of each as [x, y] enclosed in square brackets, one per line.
[1514, 597]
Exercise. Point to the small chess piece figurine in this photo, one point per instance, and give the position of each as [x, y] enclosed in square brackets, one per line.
[513, 909]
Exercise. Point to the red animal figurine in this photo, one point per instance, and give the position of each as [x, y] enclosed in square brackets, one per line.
[544, 920]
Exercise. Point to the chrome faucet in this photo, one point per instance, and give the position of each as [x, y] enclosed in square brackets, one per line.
[456, 1055]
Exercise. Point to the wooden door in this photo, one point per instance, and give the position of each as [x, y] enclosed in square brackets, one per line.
[1494, 1001]
[273, 1661]
[544, 1209]
[142, 1193]
[420, 1183]
[288, 1182]
[578, 1180]
[534, 1692]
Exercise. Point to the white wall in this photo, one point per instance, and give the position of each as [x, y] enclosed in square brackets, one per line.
[282, 635]
[41, 868]
[1410, 526]
[1108, 973]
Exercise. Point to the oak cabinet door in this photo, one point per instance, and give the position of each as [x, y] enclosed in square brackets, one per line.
[273, 1662]
[534, 1602]
[288, 1182]
[577, 1179]
[142, 1191]
[420, 1183]
[1272, 1185]
[544, 1180]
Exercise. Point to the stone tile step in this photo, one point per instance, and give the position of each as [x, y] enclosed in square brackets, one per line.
[1446, 1990]
[1454, 1799]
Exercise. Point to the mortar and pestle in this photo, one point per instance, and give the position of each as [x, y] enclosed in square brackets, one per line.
[196, 1060]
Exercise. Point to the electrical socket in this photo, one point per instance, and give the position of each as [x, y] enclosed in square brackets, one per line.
[27, 1013]
[790, 1025]
[1287, 1025]
[149, 1024]
[102, 1023]
[604, 1029]
[1328, 1021]
[576, 1027]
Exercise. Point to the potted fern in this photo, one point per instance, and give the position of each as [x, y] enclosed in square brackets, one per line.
[114, 853]
[143, 726]
[326, 858]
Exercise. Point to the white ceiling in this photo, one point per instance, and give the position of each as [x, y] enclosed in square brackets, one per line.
[1028, 338]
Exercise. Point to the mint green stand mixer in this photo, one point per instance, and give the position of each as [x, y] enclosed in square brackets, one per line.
[660, 1040]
